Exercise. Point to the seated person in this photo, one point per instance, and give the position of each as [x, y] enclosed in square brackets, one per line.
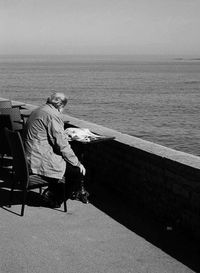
[47, 148]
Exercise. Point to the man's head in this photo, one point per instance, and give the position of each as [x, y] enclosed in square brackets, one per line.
[58, 100]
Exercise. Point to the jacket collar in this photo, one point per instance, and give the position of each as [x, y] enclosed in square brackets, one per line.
[53, 109]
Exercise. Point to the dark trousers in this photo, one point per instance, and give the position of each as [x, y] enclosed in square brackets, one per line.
[71, 179]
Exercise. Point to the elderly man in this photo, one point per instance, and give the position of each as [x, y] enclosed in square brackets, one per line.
[47, 147]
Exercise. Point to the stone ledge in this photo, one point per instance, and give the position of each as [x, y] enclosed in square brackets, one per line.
[147, 146]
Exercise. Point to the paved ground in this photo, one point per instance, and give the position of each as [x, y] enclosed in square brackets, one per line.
[86, 240]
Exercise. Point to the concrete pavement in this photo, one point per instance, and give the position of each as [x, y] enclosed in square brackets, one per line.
[83, 240]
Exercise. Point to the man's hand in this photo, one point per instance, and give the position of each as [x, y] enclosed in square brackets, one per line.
[82, 169]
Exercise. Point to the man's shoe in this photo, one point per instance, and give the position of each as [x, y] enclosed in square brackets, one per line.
[80, 196]
[55, 205]
[48, 198]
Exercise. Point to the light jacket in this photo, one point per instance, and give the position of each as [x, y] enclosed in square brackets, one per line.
[46, 144]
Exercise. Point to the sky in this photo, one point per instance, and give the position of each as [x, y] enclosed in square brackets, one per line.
[100, 27]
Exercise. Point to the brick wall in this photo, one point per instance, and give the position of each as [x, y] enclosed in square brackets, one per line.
[168, 189]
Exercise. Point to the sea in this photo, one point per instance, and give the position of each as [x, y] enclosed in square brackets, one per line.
[155, 98]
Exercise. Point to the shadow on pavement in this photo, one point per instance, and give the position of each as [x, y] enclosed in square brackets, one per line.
[173, 242]
[33, 198]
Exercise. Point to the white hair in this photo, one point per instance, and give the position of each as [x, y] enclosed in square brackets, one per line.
[58, 100]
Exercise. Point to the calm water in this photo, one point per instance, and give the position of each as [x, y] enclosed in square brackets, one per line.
[151, 98]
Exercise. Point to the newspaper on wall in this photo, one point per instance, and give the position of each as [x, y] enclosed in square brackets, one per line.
[81, 134]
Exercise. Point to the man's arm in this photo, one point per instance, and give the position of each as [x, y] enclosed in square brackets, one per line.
[60, 140]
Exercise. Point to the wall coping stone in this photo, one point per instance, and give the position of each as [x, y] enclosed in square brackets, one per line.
[147, 146]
